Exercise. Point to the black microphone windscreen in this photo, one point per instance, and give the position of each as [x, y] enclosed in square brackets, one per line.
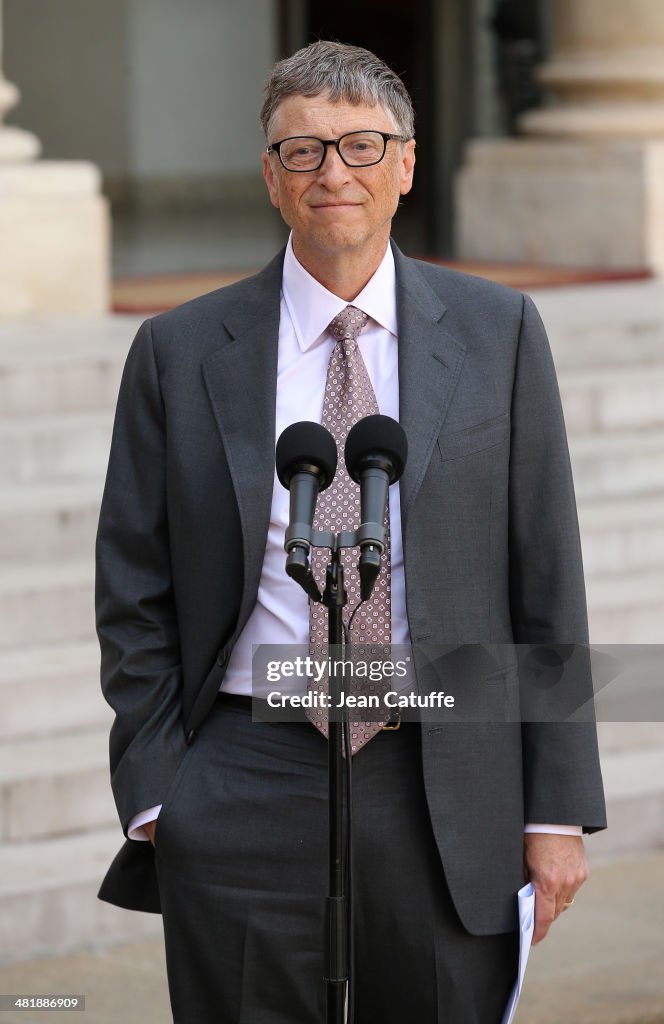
[376, 435]
[306, 443]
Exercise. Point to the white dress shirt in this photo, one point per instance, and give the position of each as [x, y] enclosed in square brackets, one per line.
[281, 612]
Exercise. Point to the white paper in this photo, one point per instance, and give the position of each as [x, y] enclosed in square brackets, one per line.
[526, 898]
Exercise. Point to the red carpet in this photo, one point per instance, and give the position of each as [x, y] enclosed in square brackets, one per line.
[156, 293]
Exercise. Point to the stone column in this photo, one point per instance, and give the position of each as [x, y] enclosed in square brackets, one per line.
[584, 186]
[15, 144]
[54, 226]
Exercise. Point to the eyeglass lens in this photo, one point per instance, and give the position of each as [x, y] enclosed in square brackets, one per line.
[357, 149]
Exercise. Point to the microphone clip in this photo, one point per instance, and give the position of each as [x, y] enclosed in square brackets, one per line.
[298, 568]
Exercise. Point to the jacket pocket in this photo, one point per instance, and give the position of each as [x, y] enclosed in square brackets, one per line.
[172, 791]
[474, 439]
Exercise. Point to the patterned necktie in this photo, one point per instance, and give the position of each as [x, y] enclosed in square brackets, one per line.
[349, 397]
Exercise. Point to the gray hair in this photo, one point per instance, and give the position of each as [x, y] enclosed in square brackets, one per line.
[345, 73]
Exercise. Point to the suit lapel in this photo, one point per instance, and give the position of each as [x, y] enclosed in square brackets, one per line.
[241, 378]
[241, 374]
[430, 361]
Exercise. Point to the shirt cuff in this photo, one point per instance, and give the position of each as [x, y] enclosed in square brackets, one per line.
[136, 830]
[556, 830]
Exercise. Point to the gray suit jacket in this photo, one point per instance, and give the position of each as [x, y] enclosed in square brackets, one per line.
[490, 537]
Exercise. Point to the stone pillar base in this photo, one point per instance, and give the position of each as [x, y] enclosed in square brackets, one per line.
[577, 204]
[54, 239]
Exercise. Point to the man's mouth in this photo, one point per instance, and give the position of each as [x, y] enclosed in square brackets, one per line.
[337, 204]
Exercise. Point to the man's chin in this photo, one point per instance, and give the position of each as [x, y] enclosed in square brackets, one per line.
[336, 238]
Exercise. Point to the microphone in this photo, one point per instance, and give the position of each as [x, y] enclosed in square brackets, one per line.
[306, 460]
[376, 452]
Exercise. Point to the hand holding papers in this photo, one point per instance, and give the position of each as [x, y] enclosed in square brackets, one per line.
[526, 898]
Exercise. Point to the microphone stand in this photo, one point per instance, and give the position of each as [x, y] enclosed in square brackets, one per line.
[337, 969]
[380, 468]
[335, 598]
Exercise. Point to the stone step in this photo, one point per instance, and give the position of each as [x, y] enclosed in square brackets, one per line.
[626, 608]
[41, 604]
[615, 737]
[593, 325]
[55, 689]
[634, 787]
[629, 698]
[48, 895]
[66, 333]
[49, 603]
[38, 521]
[600, 325]
[59, 785]
[57, 447]
[55, 785]
[621, 534]
[51, 689]
[75, 447]
[41, 379]
[44, 883]
[42, 521]
[621, 464]
[598, 399]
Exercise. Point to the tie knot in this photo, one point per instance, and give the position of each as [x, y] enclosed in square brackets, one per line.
[348, 323]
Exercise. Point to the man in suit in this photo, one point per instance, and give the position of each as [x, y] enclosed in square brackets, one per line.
[484, 549]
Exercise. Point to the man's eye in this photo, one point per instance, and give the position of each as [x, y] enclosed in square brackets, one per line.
[363, 147]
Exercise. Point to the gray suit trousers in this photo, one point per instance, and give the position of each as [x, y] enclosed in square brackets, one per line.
[241, 854]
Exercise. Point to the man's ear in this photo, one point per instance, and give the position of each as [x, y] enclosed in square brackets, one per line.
[407, 166]
[270, 180]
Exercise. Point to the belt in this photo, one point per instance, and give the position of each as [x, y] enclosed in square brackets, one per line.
[235, 700]
[240, 702]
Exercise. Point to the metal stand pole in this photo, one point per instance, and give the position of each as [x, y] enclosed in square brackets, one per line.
[336, 925]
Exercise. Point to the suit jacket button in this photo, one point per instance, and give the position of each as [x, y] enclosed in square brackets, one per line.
[190, 736]
[222, 658]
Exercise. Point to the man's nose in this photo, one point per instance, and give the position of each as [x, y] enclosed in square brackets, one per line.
[333, 170]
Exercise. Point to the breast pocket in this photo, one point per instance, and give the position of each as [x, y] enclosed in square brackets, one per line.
[477, 438]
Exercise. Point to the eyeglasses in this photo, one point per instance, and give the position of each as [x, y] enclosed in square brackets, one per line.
[356, 149]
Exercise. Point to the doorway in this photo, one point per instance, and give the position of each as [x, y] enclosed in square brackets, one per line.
[400, 34]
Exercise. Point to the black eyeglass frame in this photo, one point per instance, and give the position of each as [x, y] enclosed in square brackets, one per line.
[275, 147]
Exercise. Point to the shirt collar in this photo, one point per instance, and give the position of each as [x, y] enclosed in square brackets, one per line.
[311, 306]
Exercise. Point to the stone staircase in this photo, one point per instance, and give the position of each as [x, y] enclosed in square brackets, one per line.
[58, 826]
[608, 343]
[58, 381]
